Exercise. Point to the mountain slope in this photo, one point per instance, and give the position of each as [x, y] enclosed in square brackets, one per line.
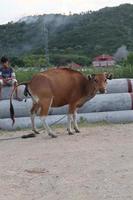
[89, 33]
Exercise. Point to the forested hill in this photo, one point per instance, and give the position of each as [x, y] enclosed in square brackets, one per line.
[88, 33]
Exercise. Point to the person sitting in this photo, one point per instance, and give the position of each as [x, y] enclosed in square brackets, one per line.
[7, 76]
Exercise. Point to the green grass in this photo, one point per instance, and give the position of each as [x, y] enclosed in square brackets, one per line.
[23, 76]
[117, 71]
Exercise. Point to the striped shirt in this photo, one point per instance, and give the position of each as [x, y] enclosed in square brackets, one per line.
[6, 72]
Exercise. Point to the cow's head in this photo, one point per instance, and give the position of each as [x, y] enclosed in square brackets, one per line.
[100, 81]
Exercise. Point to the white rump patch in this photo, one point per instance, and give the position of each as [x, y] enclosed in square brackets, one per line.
[34, 97]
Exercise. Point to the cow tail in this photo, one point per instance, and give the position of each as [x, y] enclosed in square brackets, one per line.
[26, 93]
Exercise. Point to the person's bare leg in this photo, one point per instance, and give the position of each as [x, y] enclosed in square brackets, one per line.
[16, 91]
[1, 90]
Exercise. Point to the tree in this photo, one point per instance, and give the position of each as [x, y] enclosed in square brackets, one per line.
[130, 59]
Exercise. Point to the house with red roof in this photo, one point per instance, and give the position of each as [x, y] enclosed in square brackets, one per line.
[103, 61]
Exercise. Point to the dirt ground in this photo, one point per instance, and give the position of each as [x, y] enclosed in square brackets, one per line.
[96, 164]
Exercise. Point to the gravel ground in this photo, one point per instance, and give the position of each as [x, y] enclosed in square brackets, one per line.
[96, 164]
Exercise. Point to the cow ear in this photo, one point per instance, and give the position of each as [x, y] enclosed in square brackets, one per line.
[93, 76]
[109, 76]
[90, 77]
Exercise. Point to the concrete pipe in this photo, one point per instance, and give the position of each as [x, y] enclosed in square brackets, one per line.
[114, 86]
[6, 92]
[111, 117]
[120, 86]
[100, 103]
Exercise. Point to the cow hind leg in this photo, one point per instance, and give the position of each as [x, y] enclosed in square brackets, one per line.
[69, 125]
[34, 111]
[71, 119]
[45, 105]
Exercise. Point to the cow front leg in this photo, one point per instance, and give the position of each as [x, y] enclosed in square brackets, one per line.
[76, 128]
[69, 125]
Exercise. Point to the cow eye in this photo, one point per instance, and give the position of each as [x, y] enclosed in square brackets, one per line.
[96, 80]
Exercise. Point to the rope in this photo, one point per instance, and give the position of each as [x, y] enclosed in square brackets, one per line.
[58, 120]
[54, 122]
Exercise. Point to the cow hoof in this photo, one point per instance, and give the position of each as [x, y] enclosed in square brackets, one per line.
[71, 133]
[36, 132]
[31, 135]
[52, 135]
[77, 131]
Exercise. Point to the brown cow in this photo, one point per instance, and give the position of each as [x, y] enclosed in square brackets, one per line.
[59, 87]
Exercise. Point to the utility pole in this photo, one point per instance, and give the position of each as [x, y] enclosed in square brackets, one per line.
[46, 50]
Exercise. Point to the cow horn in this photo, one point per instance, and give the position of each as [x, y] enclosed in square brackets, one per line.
[109, 76]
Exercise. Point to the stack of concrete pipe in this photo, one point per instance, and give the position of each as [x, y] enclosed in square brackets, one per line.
[116, 106]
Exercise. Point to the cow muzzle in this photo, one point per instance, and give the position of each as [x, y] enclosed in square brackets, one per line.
[102, 90]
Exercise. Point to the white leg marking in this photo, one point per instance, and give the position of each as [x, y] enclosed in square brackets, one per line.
[35, 98]
[69, 125]
[33, 121]
[46, 126]
[75, 122]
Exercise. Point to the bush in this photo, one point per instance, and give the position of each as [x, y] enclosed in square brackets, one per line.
[23, 76]
[64, 59]
[16, 61]
[34, 61]
[118, 72]
[29, 61]
[130, 59]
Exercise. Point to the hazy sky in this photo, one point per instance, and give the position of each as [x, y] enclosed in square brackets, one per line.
[15, 9]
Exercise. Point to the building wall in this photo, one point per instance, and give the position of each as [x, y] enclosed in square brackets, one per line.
[103, 63]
